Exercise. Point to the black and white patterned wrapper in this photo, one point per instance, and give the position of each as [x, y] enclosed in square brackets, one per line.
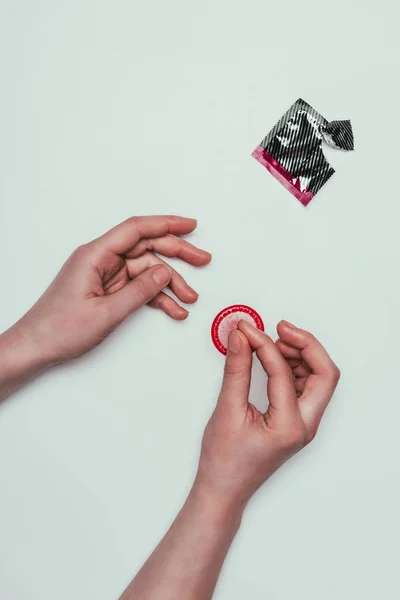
[292, 151]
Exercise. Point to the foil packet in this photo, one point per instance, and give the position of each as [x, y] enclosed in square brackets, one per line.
[292, 151]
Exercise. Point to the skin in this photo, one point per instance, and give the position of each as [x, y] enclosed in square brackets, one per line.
[101, 283]
[98, 287]
[241, 449]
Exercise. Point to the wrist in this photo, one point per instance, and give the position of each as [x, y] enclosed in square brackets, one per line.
[218, 508]
[21, 357]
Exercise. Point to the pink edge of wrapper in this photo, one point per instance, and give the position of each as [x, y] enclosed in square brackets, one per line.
[291, 183]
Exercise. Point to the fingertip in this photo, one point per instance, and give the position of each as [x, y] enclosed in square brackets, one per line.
[192, 255]
[181, 315]
[175, 310]
[201, 260]
[244, 326]
[181, 225]
[191, 220]
[286, 326]
[254, 336]
[207, 257]
[182, 218]
[192, 295]
[290, 333]
[170, 307]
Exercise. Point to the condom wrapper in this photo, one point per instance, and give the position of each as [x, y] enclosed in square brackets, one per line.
[292, 151]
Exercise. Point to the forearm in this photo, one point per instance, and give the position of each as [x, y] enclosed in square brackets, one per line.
[187, 562]
[20, 357]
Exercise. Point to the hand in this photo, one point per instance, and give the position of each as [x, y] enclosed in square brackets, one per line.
[242, 447]
[109, 278]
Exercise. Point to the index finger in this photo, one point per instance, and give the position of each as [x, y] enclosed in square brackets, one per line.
[311, 350]
[126, 235]
[281, 391]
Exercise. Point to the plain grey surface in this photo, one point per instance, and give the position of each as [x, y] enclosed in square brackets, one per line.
[110, 109]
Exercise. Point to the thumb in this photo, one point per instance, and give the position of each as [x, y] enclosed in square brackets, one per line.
[237, 375]
[141, 290]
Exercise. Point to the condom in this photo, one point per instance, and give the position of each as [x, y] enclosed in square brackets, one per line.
[228, 319]
[292, 151]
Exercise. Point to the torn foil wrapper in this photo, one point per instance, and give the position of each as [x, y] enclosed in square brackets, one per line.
[292, 151]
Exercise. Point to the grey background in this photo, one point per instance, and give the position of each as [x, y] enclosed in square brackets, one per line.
[109, 109]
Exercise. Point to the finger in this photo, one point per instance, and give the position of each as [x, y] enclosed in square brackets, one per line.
[300, 370]
[314, 399]
[122, 238]
[321, 383]
[288, 351]
[311, 351]
[292, 362]
[299, 384]
[137, 292]
[281, 392]
[298, 366]
[178, 285]
[237, 374]
[172, 247]
[169, 306]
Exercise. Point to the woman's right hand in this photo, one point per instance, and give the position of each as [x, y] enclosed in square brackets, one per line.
[241, 446]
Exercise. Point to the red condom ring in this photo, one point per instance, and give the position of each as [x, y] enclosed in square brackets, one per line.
[227, 320]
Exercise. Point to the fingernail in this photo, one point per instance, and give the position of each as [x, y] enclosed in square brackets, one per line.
[290, 325]
[161, 275]
[234, 342]
[246, 325]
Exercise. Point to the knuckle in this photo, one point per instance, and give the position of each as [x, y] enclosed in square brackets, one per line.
[336, 374]
[151, 259]
[332, 374]
[82, 251]
[159, 300]
[294, 437]
[143, 291]
[232, 369]
[133, 224]
[311, 434]
[286, 370]
[309, 338]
